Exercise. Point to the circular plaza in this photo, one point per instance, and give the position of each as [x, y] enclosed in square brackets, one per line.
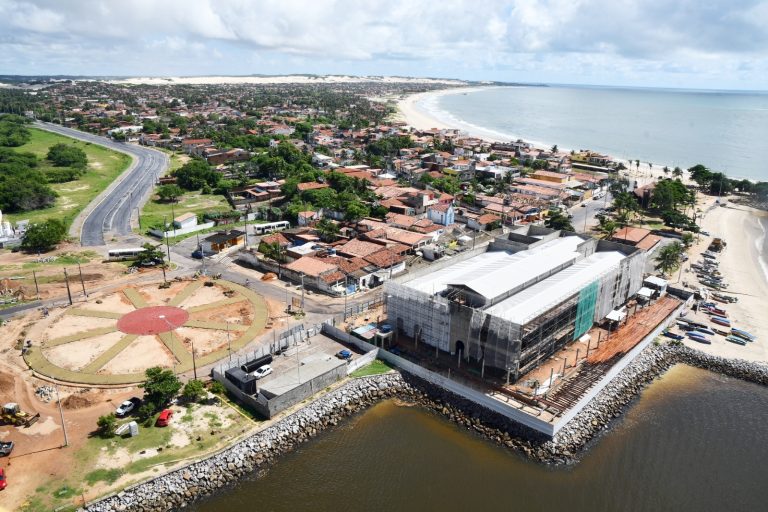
[113, 339]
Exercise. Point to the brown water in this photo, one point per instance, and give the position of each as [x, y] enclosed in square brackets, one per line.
[695, 441]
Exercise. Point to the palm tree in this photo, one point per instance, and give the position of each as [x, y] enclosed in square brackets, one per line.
[637, 164]
[554, 148]
[668, 258]
[327, 230]
[608, 227]
[559, 221]
[677, 172]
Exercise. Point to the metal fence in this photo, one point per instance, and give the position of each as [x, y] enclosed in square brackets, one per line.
[362, 307]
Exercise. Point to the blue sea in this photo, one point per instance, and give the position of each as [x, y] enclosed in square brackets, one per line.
[725, 130]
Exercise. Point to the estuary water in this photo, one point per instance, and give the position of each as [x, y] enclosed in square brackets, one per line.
[724, 130]
[694, 441]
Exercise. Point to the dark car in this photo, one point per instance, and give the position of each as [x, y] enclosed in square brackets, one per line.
[6, 448]
[344, 354]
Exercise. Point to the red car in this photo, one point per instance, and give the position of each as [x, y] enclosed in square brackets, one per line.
[164, 418]
[3, 481]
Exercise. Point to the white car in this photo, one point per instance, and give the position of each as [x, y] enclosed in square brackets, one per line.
[262, 372]
[125, 408]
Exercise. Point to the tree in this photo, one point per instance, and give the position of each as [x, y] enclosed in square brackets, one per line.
[151, 256]
[677, 172]
[42, 237]
[720, 184]
[356, 211]
[193, 391]
[169, 192]
[668, 258]
[625, 204]
[327, 230]
[554, 149]
[67, 155]
[13, 132]
[608, 227]
[107, 425]
[701, 175]
[687, 239]
[559, 221]
[160, 386]
[195, 174]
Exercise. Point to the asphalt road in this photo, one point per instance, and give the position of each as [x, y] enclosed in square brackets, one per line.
[585, 215]
[112, 213]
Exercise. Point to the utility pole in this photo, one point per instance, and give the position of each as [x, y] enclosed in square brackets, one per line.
[82, 283]
[229, 345]
[66, 281]
[37, 288]
[302, 291]
[61, 413]
[345, 295]
[165, 232]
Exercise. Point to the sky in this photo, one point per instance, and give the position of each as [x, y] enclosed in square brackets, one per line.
[706, 44]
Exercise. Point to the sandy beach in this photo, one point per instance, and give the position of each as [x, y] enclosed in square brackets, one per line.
[741, 268]
[411, 110]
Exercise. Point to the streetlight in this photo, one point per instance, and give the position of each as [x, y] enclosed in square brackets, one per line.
[61, 413]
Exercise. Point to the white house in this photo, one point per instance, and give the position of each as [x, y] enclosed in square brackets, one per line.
[442, 214]
[185, 220]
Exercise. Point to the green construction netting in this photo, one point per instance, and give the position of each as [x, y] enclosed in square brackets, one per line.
[585, 310]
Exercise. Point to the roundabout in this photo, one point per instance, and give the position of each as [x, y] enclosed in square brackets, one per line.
[112, 340]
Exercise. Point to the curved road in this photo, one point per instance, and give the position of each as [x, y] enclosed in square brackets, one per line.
[111, 210]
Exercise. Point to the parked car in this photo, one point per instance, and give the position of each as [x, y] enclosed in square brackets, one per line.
[3, 481]
[199, 253]
[705, 233]
[262, 372]
[164, 418]
[344, 354]
[124, 408]
[6, 448]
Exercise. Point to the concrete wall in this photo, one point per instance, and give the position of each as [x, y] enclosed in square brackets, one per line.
[159, 233]
[359, 362]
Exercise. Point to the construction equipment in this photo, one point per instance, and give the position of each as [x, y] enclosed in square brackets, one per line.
[13, 415]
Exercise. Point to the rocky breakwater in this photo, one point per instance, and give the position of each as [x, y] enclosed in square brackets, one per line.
[609, 404]
[253, 454]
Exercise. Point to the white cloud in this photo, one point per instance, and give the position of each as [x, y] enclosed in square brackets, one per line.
[502, 40]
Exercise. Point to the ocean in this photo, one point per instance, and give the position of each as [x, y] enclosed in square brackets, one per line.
[724, 130]
[693, 442]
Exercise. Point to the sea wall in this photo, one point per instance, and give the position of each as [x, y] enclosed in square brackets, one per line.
[254, 454]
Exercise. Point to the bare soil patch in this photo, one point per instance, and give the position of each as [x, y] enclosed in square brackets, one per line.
[117, 303]
[78, 354]
[205, 295]
[74, 324]
[204, 340]
[159, 296]
[77, 401]
[143, 353]
[237, 313]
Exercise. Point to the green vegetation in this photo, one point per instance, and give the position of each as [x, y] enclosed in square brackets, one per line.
[558, 220]
[668, 259]
[196, 174]
[39, 200]
[103, 475]
[107, 425]
[157, 211]
[13, 130]
[152, 255]
[375, 368]
[44, 236]
[169, 192]
[194, 391]
[161, 385]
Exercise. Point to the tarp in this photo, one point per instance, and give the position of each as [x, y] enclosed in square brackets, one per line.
[645, 292]
[616, 316]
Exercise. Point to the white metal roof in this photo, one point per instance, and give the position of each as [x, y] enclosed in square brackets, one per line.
[494, 273]
[523, 307]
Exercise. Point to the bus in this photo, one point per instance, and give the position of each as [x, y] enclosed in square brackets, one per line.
[129, 253]
[271, 227]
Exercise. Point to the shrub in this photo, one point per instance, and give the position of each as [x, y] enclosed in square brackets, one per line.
[194, 391]
[107, 425]
[217, 388]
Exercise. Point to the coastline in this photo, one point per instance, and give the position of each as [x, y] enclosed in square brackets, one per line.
[254, 455]
[411, 111]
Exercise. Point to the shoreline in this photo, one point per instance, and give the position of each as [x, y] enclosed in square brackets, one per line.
[411, 112]
[181, 487]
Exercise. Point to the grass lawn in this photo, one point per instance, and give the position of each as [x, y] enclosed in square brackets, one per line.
[155, 211]
[375, 368]
[104, 165]
[86, 473]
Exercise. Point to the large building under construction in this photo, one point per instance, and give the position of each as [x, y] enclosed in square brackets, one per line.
[532, 292]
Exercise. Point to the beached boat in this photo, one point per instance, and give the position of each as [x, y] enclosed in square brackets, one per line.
[720, 321]
[705, 330]
[697, 336]
[721, 332]
[736, 339]
[673, 335]
[743, 334]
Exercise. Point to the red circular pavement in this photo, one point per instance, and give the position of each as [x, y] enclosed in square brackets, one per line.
[152, 320]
